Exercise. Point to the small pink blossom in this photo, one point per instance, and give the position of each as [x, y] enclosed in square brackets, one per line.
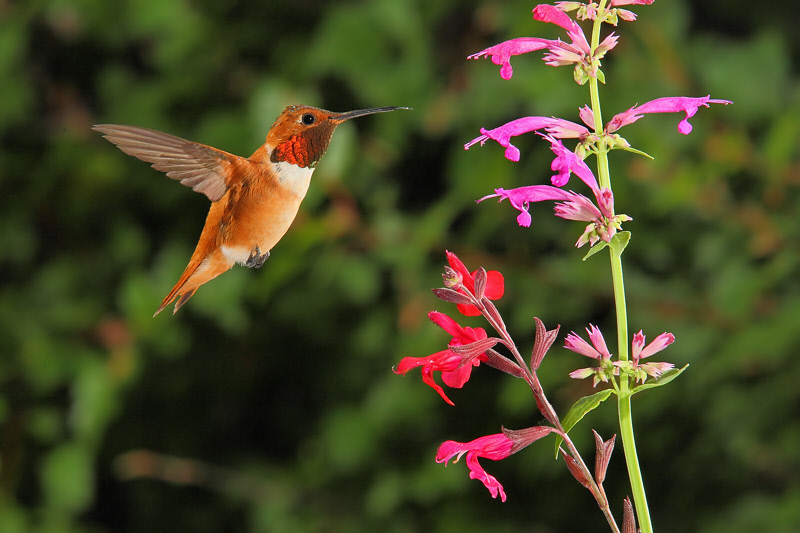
[495, 284]
[672, 104]
[495, 447]
[578, 208]
[639, 351]
[587, 115]
[557, 127]
[596, 350]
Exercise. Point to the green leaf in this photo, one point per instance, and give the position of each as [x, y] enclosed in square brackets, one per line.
[619, 242]
[579, 409]
[594, 249]
[665, 378]
[635, 151]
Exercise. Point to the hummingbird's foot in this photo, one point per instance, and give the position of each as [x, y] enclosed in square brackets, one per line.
[256, 259]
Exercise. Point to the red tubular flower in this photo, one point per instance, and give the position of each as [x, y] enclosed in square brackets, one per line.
[455, 368]
[495, 284]
[494, 447]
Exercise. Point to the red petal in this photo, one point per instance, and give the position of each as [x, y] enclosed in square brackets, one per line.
[446, 323]
[495, 285]
[458, 377]
[468, 310]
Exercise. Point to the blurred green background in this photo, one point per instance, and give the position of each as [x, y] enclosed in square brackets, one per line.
[268, 402]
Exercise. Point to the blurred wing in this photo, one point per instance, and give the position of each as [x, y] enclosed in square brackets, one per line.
[203, 168]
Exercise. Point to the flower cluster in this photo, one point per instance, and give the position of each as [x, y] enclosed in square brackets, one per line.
[456, 364]
[577, 52]
[606, 368]
[473, 293]
[604, 223]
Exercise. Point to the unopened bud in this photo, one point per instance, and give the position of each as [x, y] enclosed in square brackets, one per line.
[452, 278]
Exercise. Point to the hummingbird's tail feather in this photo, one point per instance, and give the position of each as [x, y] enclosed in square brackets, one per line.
[198, 272]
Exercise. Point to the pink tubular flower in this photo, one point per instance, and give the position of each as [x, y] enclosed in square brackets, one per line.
[639, 351]
[576, 52]
[596, 350]
[455, 368]
[501, 53]
[557, 127]
[567, 162]
[494, 447]
[495, 284]
[521, 197]
[604, 224]
[673, 104]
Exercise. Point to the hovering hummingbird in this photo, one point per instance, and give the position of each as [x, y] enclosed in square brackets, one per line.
[254, 199]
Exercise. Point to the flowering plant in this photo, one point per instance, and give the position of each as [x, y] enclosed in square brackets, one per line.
[474, 292]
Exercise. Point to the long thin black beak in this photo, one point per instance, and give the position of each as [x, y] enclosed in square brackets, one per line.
[362, 112]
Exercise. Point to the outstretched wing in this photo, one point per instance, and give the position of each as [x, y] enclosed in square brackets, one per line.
[203, 168]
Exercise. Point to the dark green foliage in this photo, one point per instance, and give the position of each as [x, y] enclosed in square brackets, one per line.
[268, 403]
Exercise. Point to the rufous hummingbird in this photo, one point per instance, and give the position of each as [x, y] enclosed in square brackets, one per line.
[253, 199]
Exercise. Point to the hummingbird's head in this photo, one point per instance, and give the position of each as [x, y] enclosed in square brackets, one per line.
[301, 134]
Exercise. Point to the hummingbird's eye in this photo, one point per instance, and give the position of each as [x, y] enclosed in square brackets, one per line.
[308, 119]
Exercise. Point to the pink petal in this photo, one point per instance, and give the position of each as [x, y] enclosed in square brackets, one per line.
[587, 116]
[598, 341]
[576, 344]
[636, 345]
[548, 13]
[501, 53]
[578, 208]
[567, 162]
[658, 344]
[582, 373]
